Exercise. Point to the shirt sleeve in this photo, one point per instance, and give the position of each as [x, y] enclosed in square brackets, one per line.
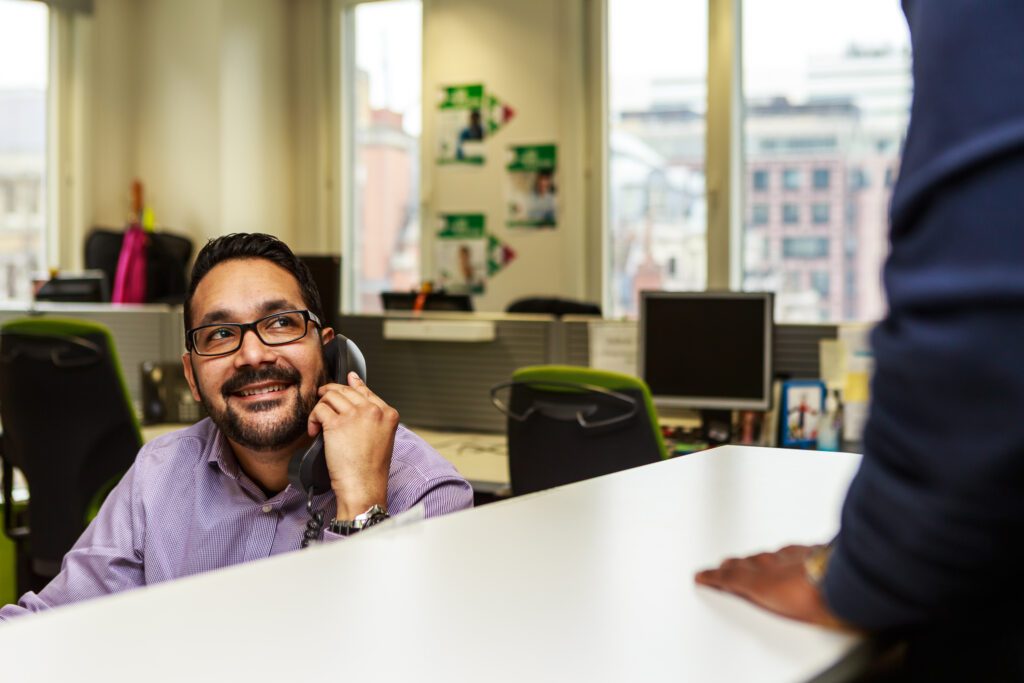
[107, 558]
[933, 521]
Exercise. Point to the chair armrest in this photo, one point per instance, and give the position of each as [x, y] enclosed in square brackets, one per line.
[15, 533]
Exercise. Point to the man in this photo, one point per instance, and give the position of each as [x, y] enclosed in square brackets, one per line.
[932, 533]
[217, 493]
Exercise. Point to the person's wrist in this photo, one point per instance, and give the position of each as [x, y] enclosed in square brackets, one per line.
[816, 565]
[356, 493]
[375, 514]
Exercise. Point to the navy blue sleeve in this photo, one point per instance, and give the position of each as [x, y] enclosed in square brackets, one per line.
[933, 524]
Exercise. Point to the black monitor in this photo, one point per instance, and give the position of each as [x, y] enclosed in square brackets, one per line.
[84, 287]
[435, 301]
[707, 350]
[326, 271]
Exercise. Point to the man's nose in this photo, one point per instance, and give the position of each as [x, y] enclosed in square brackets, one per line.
[253, 351]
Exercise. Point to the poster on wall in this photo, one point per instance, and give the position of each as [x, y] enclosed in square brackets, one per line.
[467, 115]
[461, 254]
[532, 186]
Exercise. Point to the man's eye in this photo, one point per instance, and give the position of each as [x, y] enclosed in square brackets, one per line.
[219, 334]
[281, 321]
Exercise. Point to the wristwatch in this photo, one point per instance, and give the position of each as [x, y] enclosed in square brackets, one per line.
[347, 527]
[816, 564]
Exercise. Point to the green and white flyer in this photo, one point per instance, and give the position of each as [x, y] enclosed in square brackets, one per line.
[467, 115]
[532, 186]
[461, 255]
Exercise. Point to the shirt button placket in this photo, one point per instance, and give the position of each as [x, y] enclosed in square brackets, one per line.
[261, 537]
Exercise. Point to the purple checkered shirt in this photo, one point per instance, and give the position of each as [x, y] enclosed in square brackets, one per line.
[186, 507]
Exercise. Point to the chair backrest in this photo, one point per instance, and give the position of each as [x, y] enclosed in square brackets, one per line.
[167, 259]
[553, 306]
[568, 423]
[68, 425]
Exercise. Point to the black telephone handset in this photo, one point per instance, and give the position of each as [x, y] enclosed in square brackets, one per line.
[308, 468]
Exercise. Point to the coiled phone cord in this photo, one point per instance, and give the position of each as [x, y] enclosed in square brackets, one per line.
[315, 523]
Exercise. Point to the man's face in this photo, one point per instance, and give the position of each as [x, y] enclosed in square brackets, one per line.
[259, 396]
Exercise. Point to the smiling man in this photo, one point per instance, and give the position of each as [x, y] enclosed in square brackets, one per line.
[217, 493]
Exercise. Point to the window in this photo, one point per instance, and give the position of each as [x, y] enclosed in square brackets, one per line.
[804, 247]
[790, 214]
[657, 103]
[822, 178]
[760, 180]
[382, 92]
[820, 283]
[759, 214]
[791, 179]
[833, 102]
[821, 213]
[24, 80]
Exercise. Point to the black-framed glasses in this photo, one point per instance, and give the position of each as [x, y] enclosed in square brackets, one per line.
[219, 339]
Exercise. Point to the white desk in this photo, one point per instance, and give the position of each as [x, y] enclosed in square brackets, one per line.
[588, 582]
[481, 458]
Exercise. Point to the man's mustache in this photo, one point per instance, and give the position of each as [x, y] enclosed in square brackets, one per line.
[245, 377]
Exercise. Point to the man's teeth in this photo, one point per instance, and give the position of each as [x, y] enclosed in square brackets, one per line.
[264, 390]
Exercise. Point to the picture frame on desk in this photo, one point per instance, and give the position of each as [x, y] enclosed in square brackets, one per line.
[801, 410]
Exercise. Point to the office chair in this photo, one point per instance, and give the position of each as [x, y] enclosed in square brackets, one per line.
[552, 305]
[167, 259]
[568, 423]
[68, 425]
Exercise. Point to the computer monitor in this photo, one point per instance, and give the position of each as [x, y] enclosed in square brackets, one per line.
[83, 287]
[435, 301]
[707, 350]
[326, 271]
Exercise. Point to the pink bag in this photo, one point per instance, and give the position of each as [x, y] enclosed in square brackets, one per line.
[130, 278]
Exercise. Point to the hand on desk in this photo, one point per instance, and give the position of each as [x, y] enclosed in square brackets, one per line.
[775, 581]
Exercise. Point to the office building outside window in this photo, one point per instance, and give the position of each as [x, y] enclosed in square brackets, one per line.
[821, 213]
[24, 38]
[657, 103]
[790, 214]
[382, 245]
[760, 181]
[822, 178]
[826, 109]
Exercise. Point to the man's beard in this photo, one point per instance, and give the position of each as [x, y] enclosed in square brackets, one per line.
[260, 435]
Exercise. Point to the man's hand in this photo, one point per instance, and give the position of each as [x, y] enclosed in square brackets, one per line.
[359, 433]
[775, 581]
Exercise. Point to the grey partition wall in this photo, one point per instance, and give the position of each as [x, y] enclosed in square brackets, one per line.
[446, 384]
[140, 332]
[796, 350]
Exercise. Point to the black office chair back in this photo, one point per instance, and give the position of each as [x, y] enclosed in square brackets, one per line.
[560, 435]
[553, 306]
[67, 425]
[167, 259]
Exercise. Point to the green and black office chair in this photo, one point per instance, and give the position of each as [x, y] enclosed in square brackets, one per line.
[567, 424]
[69, 426]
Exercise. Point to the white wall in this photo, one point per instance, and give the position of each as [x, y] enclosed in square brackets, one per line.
[226, 109]
[192, 97]
[529, 53]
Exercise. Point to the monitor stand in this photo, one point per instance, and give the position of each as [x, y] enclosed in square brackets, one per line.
[716, 426]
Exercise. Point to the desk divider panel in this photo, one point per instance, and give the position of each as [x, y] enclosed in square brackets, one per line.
[446, 384]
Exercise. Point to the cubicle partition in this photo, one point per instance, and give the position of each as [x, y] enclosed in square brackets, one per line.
[437, 382]
[795, 350]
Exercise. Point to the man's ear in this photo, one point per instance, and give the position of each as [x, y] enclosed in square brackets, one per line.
[326, 335]
[186, 365]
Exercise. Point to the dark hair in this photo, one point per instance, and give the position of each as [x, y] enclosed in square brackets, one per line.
[255, 245]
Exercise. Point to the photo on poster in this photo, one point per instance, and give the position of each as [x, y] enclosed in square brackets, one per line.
[461, 254]
[532, 186]
[803, 402]
[461, 130]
